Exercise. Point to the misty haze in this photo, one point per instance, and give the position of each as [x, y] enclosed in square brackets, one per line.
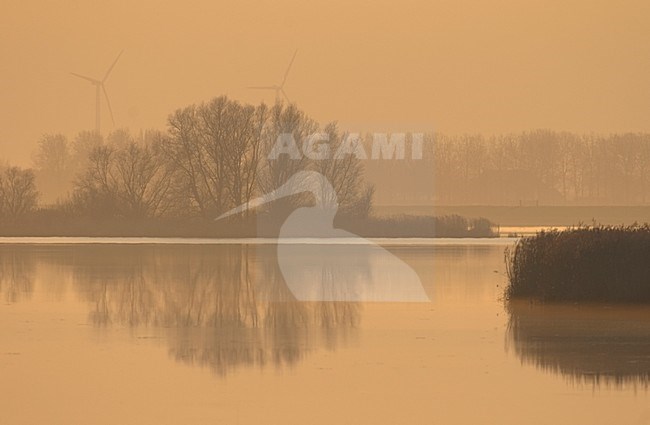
[325, 212]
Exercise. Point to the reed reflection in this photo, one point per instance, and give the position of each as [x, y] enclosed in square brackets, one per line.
[595, 344]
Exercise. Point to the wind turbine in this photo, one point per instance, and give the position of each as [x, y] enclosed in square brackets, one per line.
[99, 88]
[279, 88]
[333, 264]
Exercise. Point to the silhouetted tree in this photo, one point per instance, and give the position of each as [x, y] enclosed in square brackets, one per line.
[53, 167]
[130, 180]
[284, 121]
[18, 195]
[345, 174]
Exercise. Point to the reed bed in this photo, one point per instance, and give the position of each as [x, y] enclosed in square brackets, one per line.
[600, 263]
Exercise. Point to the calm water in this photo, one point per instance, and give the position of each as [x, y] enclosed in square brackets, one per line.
[177, 333]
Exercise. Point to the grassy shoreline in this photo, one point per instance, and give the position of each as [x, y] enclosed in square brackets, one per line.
[47, 224]
[530, 215]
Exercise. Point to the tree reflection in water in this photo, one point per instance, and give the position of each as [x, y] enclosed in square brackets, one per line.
[16, 273]
[218, 306]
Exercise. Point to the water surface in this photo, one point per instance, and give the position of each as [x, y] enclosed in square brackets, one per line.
[138, 333]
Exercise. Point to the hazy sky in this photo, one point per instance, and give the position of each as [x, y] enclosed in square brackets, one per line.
[455, 66]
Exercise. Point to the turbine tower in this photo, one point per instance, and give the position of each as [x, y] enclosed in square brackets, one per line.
[279, 88]
[99, 88]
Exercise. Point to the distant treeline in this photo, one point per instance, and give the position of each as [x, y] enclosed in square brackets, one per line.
[539, 167]
[213, 157]
[532, 168]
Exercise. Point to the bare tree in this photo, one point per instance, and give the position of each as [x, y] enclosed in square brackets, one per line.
[132, 181]
[214, 157]
[53, 154]
[200, 138]
[18, 195]
[285, 120]
[288, 123]
[217, 151]
[53, 167]
[143, 181]
[182, 149]
[82, 146]
[345, 174]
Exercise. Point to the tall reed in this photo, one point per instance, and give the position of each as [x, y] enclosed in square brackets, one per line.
[600, 263]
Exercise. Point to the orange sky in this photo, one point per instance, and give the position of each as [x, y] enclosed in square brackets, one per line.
[454, 66]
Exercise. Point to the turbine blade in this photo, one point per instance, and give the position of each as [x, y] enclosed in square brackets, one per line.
[112, 66]
[286, 74]
[92, 80]
[285, 95]
[261, 88]
[108, 102]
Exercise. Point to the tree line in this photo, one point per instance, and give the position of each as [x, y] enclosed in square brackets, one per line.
[212, 157]
[540, 167]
